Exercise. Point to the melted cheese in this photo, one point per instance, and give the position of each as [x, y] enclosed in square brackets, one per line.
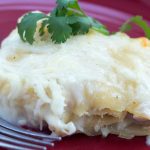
[60, 83]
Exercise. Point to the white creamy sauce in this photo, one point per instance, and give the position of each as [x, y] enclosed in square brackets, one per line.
[58, 73]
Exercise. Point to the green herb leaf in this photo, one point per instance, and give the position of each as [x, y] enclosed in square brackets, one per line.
[62, 3]
[27, 26]
[137, 20]
[99, 27]
[69, 4]
[82, 24]
[80, 28]
[79, 25]
[59, 29]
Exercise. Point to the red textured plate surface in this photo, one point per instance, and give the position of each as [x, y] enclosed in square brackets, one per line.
[10, 10]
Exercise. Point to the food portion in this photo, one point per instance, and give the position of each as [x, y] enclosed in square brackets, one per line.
[92, 83]
[87, 82]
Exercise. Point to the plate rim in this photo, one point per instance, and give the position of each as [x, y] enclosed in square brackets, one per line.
[45, 5]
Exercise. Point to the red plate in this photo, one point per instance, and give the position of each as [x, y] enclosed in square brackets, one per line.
[10, 10]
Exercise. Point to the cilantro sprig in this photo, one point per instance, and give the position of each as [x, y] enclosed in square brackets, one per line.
[140, 22]
[66, 20]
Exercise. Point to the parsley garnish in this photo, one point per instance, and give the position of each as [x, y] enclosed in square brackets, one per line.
[66, 20]
[137, 20]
